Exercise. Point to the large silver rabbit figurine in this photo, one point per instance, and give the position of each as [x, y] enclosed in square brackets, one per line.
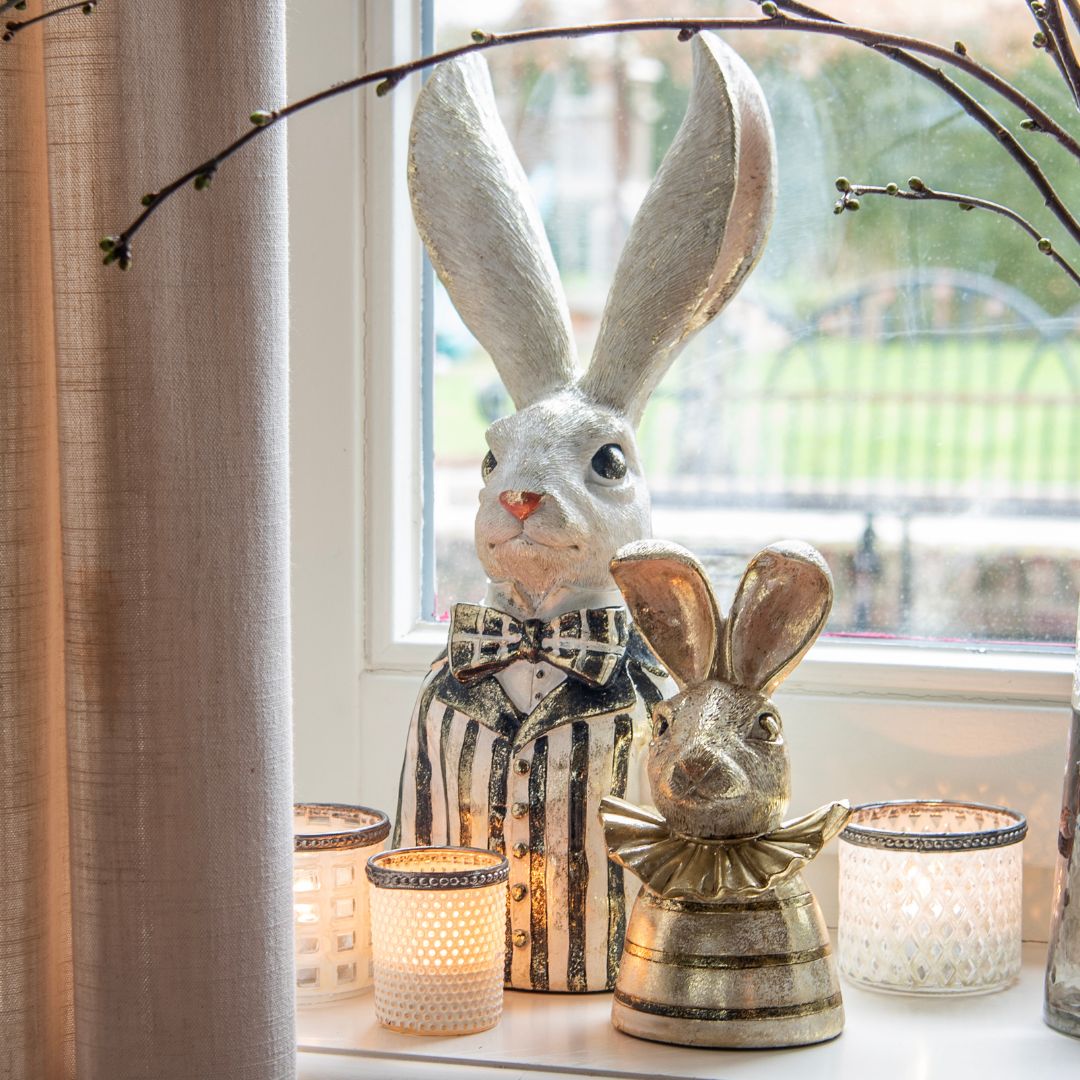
[541, 704]
[726, 945]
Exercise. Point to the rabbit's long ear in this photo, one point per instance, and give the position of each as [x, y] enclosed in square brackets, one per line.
[482, 230]
[780, 608]
[699, 232]
[672, 604]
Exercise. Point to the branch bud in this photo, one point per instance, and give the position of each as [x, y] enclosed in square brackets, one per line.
[148, 198]
[687, 32]
[107, 243]
[838, 206]
[966, 206]
[1039, 40]
[202, 181]
[891, 189]
[916, 184]
[959, 48]
[1027, 124]
[388, 84]
[852, 204]
[260, 118]
[1045, 246]
[88, 8]
[769, 10]
[481, 37]
[843, 184]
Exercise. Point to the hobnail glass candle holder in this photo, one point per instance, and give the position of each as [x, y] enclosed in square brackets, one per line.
[331, 915]
[438, 920]
[930, 897]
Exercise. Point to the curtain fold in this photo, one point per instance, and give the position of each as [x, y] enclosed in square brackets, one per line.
[144, 661]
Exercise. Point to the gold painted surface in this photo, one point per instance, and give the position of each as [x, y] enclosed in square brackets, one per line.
[763, 1012]
[680, 866]
[744, 1034]
[761, 971]
[729, 962]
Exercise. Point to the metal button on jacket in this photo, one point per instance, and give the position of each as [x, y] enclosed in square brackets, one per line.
[520, 850]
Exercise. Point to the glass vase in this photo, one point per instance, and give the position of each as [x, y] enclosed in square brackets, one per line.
[1062, 1007]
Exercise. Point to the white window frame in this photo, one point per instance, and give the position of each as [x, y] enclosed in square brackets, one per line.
[396, 638]
[359, 645]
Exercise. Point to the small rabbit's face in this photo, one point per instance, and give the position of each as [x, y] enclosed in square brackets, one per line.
[718, 765]
[563, 489]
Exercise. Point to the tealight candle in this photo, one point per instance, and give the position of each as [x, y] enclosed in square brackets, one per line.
[438, 920]
[930, 897]
[332, 923]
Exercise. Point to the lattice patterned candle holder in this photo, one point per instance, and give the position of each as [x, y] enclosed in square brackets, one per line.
[930, 897]
[439, 935]
[332, 920]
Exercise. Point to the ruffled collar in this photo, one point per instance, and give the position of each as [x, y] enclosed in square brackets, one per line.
[680, 867]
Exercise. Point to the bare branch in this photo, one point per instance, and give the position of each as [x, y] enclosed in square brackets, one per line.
[918, 191]
[1052, 37]
[1073, 8]
[14, 27]
[972, 106]
[896, 47]
[811, 20]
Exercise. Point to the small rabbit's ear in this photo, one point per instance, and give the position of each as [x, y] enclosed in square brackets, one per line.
[780, 608]
[672, 604]
[699, 232]
[482, 230]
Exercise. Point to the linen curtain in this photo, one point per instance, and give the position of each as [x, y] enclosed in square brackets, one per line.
[145, 755]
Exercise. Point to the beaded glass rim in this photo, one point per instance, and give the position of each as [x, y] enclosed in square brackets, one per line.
[370, 827]
[382, 876]
[894, 840]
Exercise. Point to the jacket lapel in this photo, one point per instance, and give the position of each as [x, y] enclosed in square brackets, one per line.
[484, 701]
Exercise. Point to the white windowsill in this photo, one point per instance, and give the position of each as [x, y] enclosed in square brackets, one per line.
[999, 1036]
[911, 671]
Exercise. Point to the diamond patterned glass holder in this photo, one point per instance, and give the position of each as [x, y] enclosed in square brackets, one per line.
[931, 896]
[439, 935]
[331, 915]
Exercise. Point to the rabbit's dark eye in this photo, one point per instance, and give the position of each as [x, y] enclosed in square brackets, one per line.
[487, 466]
[609, 462]
[661, 720]
[767, 728]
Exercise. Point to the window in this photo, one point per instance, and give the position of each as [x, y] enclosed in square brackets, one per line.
[899, 388]
[876, 722]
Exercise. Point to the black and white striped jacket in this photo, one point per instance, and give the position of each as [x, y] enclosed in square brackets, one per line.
[479, 773]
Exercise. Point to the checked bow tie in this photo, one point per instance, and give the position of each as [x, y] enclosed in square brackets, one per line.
[587, 643]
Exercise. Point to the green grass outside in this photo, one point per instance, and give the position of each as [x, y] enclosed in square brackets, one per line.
[900, 417]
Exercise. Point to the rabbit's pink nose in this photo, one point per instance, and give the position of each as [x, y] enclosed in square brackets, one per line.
[520, 503]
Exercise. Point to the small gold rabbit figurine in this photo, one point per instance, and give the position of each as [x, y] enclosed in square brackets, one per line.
[726, 946]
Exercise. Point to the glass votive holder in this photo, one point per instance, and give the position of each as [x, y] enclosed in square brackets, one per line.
[438, 918]
[931, 897]
[331, 915]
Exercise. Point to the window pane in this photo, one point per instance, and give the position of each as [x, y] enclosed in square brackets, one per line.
[901, 386]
